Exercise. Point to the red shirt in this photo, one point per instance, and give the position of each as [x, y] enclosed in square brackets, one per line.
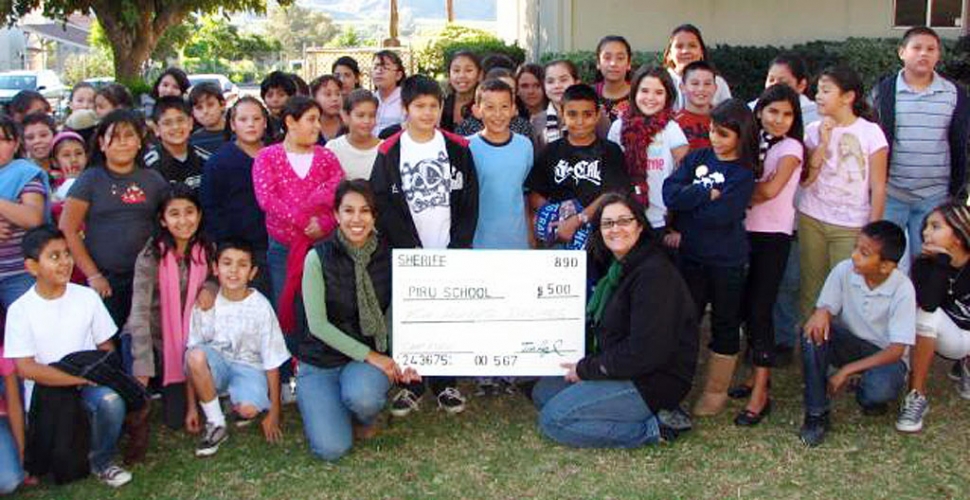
[696, 128]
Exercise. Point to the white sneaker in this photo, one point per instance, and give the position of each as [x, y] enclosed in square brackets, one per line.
[911, 414]
[288, 392]
[113, 476]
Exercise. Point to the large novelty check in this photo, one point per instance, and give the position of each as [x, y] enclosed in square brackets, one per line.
[488, 312]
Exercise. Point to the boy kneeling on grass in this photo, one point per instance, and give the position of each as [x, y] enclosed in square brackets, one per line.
[875, 308]
[236, 345]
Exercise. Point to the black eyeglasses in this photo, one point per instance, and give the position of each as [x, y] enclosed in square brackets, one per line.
[625, 221]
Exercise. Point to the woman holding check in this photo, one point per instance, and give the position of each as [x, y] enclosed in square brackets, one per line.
[645, 335]
[344, 371]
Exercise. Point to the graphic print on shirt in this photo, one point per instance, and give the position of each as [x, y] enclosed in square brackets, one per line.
[706, 178]
[582, 170]
[129, 193]
[427, 183]
[852, 161]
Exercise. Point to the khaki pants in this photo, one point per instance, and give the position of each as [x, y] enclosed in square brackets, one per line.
[821, 247]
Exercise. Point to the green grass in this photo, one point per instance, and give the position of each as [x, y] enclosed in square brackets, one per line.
[494, 451]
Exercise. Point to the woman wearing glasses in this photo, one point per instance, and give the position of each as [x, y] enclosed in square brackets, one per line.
[645, 333]
[387, 74]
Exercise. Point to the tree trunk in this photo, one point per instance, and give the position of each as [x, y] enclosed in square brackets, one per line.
[132, 43]
[450, 10]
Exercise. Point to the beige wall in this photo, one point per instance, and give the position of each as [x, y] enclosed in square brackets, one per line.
[565, 25]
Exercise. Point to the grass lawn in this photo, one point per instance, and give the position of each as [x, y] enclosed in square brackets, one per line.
[494, 451]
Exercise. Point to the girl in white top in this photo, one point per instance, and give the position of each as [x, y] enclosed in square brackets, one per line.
[685, 46]
[387, 75]
[357, 149]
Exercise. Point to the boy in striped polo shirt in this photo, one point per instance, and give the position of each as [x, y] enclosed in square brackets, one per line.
[924, 117]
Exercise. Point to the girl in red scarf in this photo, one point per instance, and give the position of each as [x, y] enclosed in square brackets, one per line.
[652, 141]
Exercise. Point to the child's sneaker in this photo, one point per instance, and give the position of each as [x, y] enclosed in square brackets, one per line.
[910, 418]
[288, 392]
[451, 400]
[486, 386]
[814, 428]
[113, 476]
[213, 436]
[954, 372]
[403, 403]
[676, 419]
[964, 385]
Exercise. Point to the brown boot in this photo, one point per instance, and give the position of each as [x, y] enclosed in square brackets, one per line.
[720, 370]
[137, 428]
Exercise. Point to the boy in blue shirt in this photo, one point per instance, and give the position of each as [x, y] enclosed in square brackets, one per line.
[874, 305]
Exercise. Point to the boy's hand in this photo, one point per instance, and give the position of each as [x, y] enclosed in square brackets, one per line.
[817, 326]
[409, 375]
[571, 376]
[192, 423]
[100, 284]
[715, 194]
[568, 228]
[271, 427]
[5, 229]
[837, 382]
[672, 239]
[205, 300]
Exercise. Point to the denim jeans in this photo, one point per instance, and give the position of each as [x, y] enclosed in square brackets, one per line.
[331, 400]
[594, 414]
[910, 216]
[276, 257]
[107, 411]
[723, 288]
[11, 471]
[881, 384]
[785, 313]
[12, 287]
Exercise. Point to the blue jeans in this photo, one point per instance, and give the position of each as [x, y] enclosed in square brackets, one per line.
[331, 400]
[11, 470]
[910, 216]
[785, 313]
[594, 414]
[12, 287]
[881, 384]
[246, 384]
[107, 411]
[276, 262]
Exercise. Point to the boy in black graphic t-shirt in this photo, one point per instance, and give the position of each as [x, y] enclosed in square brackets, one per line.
[578, 167]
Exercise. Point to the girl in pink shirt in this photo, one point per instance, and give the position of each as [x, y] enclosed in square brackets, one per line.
[295, 182]
[11, 430]
[769, 222]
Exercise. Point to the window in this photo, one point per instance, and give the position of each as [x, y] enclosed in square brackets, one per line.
[934, 13]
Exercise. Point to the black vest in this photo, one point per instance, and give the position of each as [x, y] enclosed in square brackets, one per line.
[341, 297]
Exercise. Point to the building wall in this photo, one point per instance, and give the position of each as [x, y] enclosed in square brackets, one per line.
[566, 25]
[12, 48]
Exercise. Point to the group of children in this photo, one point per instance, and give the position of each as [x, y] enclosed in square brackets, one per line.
[186, 235]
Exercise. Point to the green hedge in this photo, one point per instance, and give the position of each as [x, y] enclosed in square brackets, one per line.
[431, 59]
[744, 67]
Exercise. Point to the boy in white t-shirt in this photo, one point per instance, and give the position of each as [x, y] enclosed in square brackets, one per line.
[236, 346]
[56, 318]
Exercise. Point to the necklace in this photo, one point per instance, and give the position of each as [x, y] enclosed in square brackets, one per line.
[953, 280]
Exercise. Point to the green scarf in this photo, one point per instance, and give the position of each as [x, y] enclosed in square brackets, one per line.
[368, 308]
[603, 291]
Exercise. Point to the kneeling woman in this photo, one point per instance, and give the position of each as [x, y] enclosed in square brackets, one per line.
[344, 373]
[646, 330]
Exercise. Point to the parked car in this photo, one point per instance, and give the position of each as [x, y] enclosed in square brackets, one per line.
[229, 90]
[99, 81]
[45, 81]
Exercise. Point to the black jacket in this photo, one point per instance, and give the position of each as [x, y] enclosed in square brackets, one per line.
[394, 215]
[58, 434]
[341, 297]
[104, 368]
[649, 332]
[884, 102]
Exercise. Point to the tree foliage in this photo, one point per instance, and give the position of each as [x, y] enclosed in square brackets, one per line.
[298, 27]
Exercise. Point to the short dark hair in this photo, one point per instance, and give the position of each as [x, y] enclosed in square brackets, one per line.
[358, 96]
[389, 55]
[36, 240]
[493, 85]
[580, 92]
[889, 236]
[21, 102]
[917, 31]
[8, 128]
[234, 244]
[177, 74]
[566, 63]
[117, 94]
[168, 102]
[359, 186]
[347, 61]
[42, 118]
[496, 60]
[698, 66]
[794, 62]
[279, 80]
[296, 106]
[109, 124]
[203, 89]
[416, 86]
[321, 81]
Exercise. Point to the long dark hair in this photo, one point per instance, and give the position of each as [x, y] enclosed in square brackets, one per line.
[684, 28]
[110, 123]
[597, 251]
[540, 74]
[162, 240]
[848, 80]
[781, 92]
[654, 72]
[734, 115]
[178, 75]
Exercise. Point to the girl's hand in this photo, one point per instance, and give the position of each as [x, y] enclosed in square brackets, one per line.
[192, 423]
[825, 130]
[715, 194]
[313, 230]
[5, 229]
[409, 375]
[571, 375]
[100, 284]
[205, 300]
[672, 239]
[384, 364]
[930, 250]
